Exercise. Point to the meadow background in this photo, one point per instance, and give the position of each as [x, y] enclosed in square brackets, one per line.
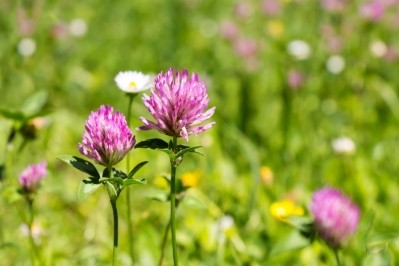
[287, 77]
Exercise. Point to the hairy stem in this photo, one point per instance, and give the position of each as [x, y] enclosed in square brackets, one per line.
[128, 202]
[113, 196]
[35, 254]
[115, 248]
[173, 204]
[337, 257]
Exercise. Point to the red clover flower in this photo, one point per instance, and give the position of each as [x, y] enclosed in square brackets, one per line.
[178, 103]
[336, 217]
[107, 138]
[30, 178]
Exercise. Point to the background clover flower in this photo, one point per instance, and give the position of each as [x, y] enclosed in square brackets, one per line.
[178, 103]
[107, 138]
[133, 81]
[31, 177]
[336, 217]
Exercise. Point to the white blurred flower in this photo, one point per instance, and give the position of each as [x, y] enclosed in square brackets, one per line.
[225, 223]
[133, 81]
[343, 145]
[378, 48]
[78, 27]
[299, 49]
[26, 47]
[224, 228]
[335, 64]
[37, 231]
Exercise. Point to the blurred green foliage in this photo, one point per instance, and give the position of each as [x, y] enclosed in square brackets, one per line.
[263, 118]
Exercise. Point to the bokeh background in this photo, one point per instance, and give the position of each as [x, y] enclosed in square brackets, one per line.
[305, 93]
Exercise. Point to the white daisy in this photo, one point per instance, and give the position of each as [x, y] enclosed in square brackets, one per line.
[343, 145]
[27, 47]
[335, 64]
[299, 49]
[133, 81]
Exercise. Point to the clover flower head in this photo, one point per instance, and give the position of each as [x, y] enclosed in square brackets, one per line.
[31, 177]
[133, 81]
[107, 138]
[336, 217]
[178, 103]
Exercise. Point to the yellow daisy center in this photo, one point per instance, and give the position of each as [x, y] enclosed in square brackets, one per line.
[132, 84]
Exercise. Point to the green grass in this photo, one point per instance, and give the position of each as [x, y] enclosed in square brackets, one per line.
[260, 121]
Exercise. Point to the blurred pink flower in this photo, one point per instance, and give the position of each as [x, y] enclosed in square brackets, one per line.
[245, 47]
[336, 217]
[294, 79]
[334, 5]
[243, 9]
[107, 138]
[31, 177]
[271, 7]
[391, 54]
[26, 25]
[373, 11]
[228, 30]
[59, 30]
[178, 103]
[333, 42]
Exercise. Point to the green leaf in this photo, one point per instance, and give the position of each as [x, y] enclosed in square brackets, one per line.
[191, 149]
[34, 104]
[193, 202]
[292, 241]
[92, 180]
[303, 223]
[170, 153]
[136, 168]
[113, 192]
[131, 181]
[158, 195]
[182, 147]
[80, 164]
[113, 179]
[14, 115]
[2, 172]
[155, 144]
[85, 189]
[376, 257]
[115, 173]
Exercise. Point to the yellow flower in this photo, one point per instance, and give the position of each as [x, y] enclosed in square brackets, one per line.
[275, 28]
[191, 179]
[161, 182]
[266, 175]
[284, 209]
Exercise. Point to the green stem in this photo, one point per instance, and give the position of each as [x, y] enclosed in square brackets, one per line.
[128, 203]
[115, 248]
[337, 257]
[34, 249]
[129, 224]
[173, 204]
[165, 237]
[113, 193]
[31, 240]
[129, 107]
